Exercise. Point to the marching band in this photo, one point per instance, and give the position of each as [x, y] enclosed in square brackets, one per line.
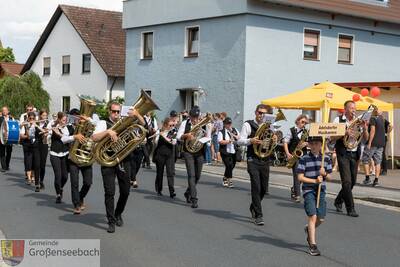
[121, 145]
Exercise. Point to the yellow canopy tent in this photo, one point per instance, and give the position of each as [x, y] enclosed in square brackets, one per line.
[326, 96]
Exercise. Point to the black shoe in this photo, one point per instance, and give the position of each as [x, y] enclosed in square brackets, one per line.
[259, 221]
[119, 222]
[383, 173]
[375, 183]
[148, 167]
[194, 204]
[307, 238]
[42, 186]
[366, 181]
[2, 170]
[172, 195]
[7, 168]
[253, 213]
[314, 251]
[187, 196]
[111, 228]
[58, 199]
[352, 213]
[159, 194]
[37, 189]
[338, 206]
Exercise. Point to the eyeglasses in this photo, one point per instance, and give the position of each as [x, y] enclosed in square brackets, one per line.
[115, 111]
[303, 122]
[32, 118]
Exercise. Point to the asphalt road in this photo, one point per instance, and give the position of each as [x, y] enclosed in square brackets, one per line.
[163, 232]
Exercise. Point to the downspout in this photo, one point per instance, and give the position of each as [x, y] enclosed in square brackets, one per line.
[110, 91]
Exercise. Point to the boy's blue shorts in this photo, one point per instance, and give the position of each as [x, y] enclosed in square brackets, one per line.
[310, 204]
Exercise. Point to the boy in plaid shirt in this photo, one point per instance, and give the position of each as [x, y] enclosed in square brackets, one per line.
[311, 175]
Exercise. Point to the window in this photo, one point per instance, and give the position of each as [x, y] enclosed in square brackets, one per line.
[65, 64]
[86, 63]
[66, 103]
[147, 45]
[192, 42]
[373, 2]
[345, 49]
[311, 44]
[46, 66]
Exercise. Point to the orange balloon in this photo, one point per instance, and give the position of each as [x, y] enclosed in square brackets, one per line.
[375, 91]
[356, 97]
[364, 92]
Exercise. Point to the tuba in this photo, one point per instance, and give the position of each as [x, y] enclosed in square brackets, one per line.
[194, 145]
[298, 151]
[265, 134]
[130, 135]
[81, 154]
[352, 141]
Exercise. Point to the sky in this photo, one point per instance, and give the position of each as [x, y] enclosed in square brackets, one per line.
[23, 21]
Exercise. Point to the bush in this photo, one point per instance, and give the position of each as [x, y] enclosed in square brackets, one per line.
[17, 92]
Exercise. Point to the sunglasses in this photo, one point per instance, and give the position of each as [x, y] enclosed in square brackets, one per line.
[115, 111]
[32, 118]
[261, 113]
[303, 122]
[171, 125]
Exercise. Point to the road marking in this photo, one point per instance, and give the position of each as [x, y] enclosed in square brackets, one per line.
[284, 186]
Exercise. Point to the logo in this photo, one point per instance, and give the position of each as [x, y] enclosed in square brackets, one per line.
[12, 251]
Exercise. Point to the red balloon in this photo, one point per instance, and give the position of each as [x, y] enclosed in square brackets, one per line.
[364, 92]
[375, 91]
[356, 97]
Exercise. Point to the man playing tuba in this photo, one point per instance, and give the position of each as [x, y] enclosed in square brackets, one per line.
[190, 132]
[257, 167]
[120, 170]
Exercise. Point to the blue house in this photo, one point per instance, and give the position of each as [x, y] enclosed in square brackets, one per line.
[228, 55]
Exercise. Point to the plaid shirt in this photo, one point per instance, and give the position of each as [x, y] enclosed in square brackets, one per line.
[310, 166]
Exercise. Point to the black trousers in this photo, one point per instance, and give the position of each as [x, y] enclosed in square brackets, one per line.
[296, 182]
[5, 156]
[194, 165]
[167, 162]
[109, 174]
[77, 195]
[43, 151]
[147, 149]
[229, 161]
[348, 169]
[32, 160]
[60, 169]
[259, 179]
[135, 160]
[384, 159]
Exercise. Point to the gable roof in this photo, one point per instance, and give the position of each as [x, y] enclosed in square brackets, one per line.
[369, 9]
[100, 30]
[11, 69]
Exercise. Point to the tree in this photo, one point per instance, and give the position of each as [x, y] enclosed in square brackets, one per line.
[17, 92]
[6, 55]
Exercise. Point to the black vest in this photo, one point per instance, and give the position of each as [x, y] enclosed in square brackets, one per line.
[57, 145]
[28, 141]
[222, 148]
[164, 148]
[340, 147]
[41, 135]
[295, 140]
[188, 127]
[250, 150]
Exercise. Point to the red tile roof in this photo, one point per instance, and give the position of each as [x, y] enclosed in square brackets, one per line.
[11, 69]
[102, 32]
[369, 9]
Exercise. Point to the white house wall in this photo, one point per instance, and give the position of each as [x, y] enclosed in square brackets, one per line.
[64, 40]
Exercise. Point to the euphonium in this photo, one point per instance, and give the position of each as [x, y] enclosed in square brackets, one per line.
[81, 154]
[265, 134]
[194, 145]
[352, 141]
[298, 152]
[130, 135]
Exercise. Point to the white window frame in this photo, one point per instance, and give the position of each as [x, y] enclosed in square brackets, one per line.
[142, 45]
[47, 74]
[352, 48]
[186, 52]
[319, 42]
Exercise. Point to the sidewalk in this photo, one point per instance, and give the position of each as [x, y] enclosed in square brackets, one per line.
[388, 193]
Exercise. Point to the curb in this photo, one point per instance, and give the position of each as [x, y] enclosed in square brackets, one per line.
[382, 201]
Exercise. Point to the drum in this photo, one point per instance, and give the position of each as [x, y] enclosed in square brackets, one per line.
[9, 132]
